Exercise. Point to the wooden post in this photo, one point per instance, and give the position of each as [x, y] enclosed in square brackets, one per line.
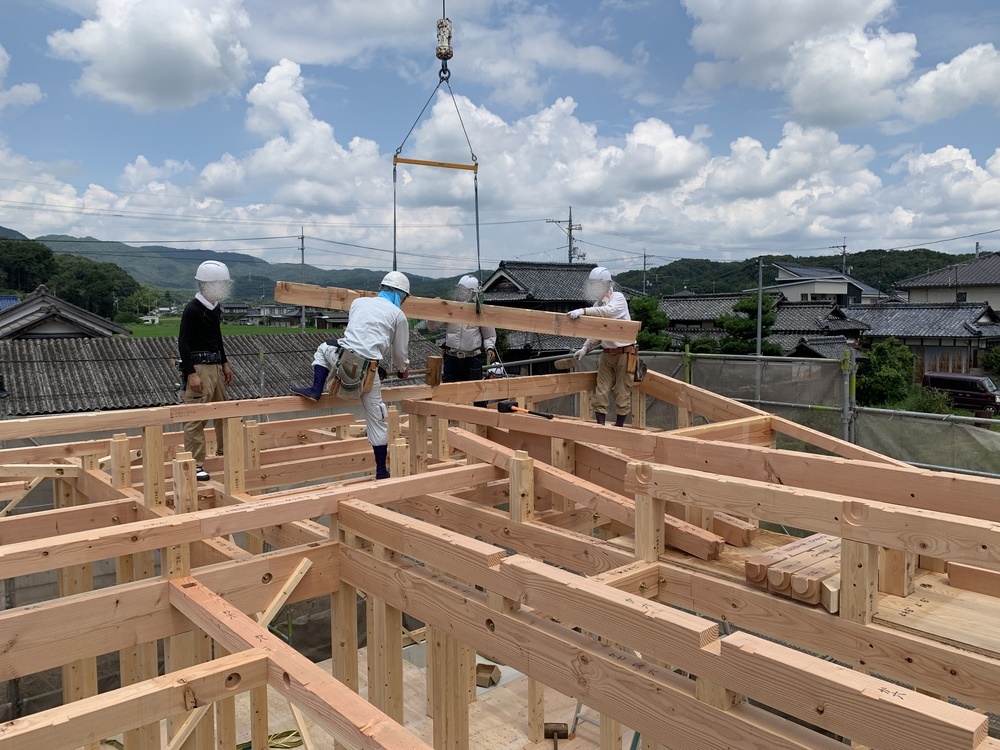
[139, 662]
[435, 368]
[585, 410]
[385, 650]
[563, 457]
[192, 648]
[896, 571]
[418, 443]
[399, 458]
[450, 702]
[343, 624]
[638, 408]
[858, 581]
[439, 438]
[392, 419]
[79, 678]
[649, 539]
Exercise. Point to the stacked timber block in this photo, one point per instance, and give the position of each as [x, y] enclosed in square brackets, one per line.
[807, 570]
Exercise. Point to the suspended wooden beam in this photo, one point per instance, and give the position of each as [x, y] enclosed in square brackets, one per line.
[449, 311]
[442, 164]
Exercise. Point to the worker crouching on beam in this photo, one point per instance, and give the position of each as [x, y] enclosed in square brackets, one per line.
[616, 368]
[376, 327]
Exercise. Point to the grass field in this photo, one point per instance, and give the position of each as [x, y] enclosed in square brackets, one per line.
[170, 327]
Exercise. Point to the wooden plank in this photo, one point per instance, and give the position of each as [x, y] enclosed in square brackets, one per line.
[971, 578]
[807, 584]
[468, 313]
[31, 471]
[68, 520]
[735, 531]
[952, 537]
[91, 720]
[779, 575]
[83, 547]
[754, 430]
[679, 534]
[348, 717]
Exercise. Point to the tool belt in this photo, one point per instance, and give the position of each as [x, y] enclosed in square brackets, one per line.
[353, 375]
[206, 358]
[620, 349]
[461, 354]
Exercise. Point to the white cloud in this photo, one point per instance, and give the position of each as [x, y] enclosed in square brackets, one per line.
[19, 95]
[968, 79]
[833, 64]
[157, 54]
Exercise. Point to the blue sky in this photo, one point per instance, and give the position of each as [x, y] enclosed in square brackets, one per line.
[682, 128]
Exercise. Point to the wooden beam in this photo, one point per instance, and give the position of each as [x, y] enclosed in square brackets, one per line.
[117, 711]
[87, 546]
[679, 534]
[958, 538]
[343, 713]
[468, 313]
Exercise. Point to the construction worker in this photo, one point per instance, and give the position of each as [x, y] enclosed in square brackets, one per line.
[204, 366]
[376, 327]
[616, 368]
[464, 344]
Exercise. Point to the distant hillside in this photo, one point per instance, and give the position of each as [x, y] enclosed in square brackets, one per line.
[10, 234]
[878, 268]
[173, 268]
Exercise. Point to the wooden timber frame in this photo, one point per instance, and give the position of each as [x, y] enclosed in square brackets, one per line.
[578, 554]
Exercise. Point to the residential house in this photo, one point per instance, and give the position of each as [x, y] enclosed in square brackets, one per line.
[60, 375]
[975, 280]
[807, 284]
[945, 337]
[41, 315]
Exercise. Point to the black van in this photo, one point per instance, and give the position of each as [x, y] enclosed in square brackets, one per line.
[974, 392]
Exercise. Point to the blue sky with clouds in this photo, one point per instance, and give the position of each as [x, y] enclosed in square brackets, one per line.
[685, 128]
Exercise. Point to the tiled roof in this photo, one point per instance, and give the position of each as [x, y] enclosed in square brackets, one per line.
[811, 272]
[23, 317]
[51, 376]
[944, 319]
[698, 306]
[827, 347]
[552, 282]
[8, 300]
[806, 317]
[981, 271]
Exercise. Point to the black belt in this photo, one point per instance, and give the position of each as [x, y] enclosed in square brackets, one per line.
[463, 355]
[206, 358]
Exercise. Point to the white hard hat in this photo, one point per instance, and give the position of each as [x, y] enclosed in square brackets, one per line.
[397, 281]
[599, 273]
[212, 270]
[469, 282]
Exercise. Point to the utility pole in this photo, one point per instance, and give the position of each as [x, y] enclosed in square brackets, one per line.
[843, 255]
[644, 270]
[977, 248]
[760, 314]
[302, 275]
[571, 250]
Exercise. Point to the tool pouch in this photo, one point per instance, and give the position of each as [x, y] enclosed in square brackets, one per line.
[353, 376]
[636, 367]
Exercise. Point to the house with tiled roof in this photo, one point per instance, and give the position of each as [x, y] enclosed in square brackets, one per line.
[556, 287]
[808, 284]
[8, 300]
[62, 375]
[974, 280]
[945, 337]
[42, 315]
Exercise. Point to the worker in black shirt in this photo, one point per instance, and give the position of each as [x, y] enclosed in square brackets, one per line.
[203, 356]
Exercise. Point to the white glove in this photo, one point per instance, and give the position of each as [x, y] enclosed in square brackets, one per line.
[574, 314]
[580, 353]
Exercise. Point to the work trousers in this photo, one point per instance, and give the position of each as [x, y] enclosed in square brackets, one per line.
[613, 379]
[462, 370]
[213, 388]
[376, 416]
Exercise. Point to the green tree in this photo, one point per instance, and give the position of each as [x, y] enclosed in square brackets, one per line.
[886, 374]
[651, 337]
[91, 285]
[990, 360]
[25, 264]
[741, 327]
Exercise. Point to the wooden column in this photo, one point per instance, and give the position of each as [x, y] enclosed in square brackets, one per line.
[649, 545]
[896, 571]
[138, 663]
[638, 408]
[439, 438]
[195, 647]
[343, 624]
[858, 581]
[563, 457]
[449, 691]
[79, 678]
[392, 419]
[385, 650]
[259, 721]
[585, 410]
[418, 444]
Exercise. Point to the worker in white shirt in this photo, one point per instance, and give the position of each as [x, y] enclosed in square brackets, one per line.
[464, 345]
[616, 368]
[376, 328]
